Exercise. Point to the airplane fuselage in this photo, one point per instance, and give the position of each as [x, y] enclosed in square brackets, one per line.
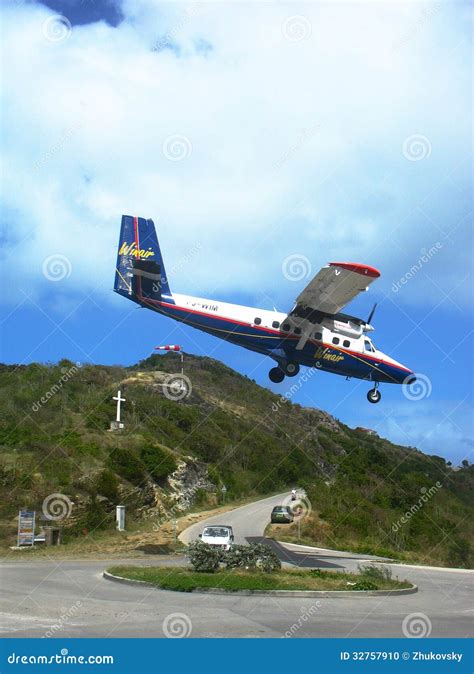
[314, 333]
[336, 346]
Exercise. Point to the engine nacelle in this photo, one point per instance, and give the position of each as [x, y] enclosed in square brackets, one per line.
[347, 328]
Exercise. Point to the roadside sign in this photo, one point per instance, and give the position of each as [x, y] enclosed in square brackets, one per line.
[26, 527]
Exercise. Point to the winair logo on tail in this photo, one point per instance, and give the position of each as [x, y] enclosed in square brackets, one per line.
[131, 249]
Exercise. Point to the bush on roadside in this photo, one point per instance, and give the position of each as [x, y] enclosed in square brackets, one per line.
[252, 556]
[266, 558]
[375, 573]
[364, 585]
[240, 557]
[204, 557]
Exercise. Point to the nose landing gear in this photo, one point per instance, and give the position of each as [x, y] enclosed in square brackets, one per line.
[374, 395]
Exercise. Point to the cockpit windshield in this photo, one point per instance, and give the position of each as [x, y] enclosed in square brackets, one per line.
[368, 346]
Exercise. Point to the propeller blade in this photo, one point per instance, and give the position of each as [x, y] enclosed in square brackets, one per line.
[369, 320]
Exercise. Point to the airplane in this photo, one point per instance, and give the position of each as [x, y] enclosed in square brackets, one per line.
[314, 333]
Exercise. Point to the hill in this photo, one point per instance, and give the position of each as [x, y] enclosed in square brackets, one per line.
[365, 492]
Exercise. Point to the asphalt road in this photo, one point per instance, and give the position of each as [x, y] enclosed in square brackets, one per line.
[71, 599]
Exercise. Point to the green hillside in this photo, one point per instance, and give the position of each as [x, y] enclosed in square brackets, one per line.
[174, 455]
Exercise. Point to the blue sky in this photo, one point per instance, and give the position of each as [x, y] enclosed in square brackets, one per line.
[249, 132]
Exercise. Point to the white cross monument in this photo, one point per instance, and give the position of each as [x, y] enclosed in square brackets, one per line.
[117, 425]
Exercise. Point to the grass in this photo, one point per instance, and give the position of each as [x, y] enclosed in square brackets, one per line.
[181, 579]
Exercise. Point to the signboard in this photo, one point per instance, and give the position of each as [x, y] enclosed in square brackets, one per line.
[26, 527]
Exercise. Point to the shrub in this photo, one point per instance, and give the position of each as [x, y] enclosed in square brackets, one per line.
[252, 556]
[127, 465]
[158, 461]
[240, 557]
[204, 557]
[364, 585]
[107, 485]
[375, 573]
[267, 559]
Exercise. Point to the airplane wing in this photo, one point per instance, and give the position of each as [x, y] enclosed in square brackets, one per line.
[334, 286]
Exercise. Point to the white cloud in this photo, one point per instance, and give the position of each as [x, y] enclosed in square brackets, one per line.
[297, 146]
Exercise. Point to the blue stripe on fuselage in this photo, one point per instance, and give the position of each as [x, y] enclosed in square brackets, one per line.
[264, 340]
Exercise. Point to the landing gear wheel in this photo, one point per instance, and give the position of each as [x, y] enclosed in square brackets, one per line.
[291, 369]
[373, 396]
[276, 375]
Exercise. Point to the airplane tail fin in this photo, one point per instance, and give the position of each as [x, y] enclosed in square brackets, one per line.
[140, 272]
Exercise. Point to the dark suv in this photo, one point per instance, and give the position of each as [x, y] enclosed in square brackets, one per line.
[282, 515]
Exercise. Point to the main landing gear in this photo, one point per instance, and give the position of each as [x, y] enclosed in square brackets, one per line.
[277, 374]
[374, 395]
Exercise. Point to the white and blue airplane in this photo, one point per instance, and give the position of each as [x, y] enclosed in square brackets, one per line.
[314, 333]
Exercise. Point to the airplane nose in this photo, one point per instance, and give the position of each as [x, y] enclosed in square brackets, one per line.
[410, 379]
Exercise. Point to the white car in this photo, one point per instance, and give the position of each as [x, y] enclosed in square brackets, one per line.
[219, 535]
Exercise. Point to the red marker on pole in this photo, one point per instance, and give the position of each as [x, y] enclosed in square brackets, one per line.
[169, 347]
[172, 347]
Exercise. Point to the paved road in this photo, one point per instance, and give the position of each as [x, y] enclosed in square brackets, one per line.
[71, 599]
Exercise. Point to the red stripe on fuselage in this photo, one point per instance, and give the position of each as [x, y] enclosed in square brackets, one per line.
[274, 332]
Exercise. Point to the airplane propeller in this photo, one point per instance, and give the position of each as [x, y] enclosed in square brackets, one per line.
[369, 320]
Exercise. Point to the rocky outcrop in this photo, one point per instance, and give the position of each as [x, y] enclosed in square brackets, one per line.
[190, 476]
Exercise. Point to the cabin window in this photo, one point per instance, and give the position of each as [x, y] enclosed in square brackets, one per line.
[346, 343]
[257, 321]
[335, 340]
[297, 331]
[318, 335]
[275, 324]
[285, 327]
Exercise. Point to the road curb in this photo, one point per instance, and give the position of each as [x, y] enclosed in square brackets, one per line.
[272, 593]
